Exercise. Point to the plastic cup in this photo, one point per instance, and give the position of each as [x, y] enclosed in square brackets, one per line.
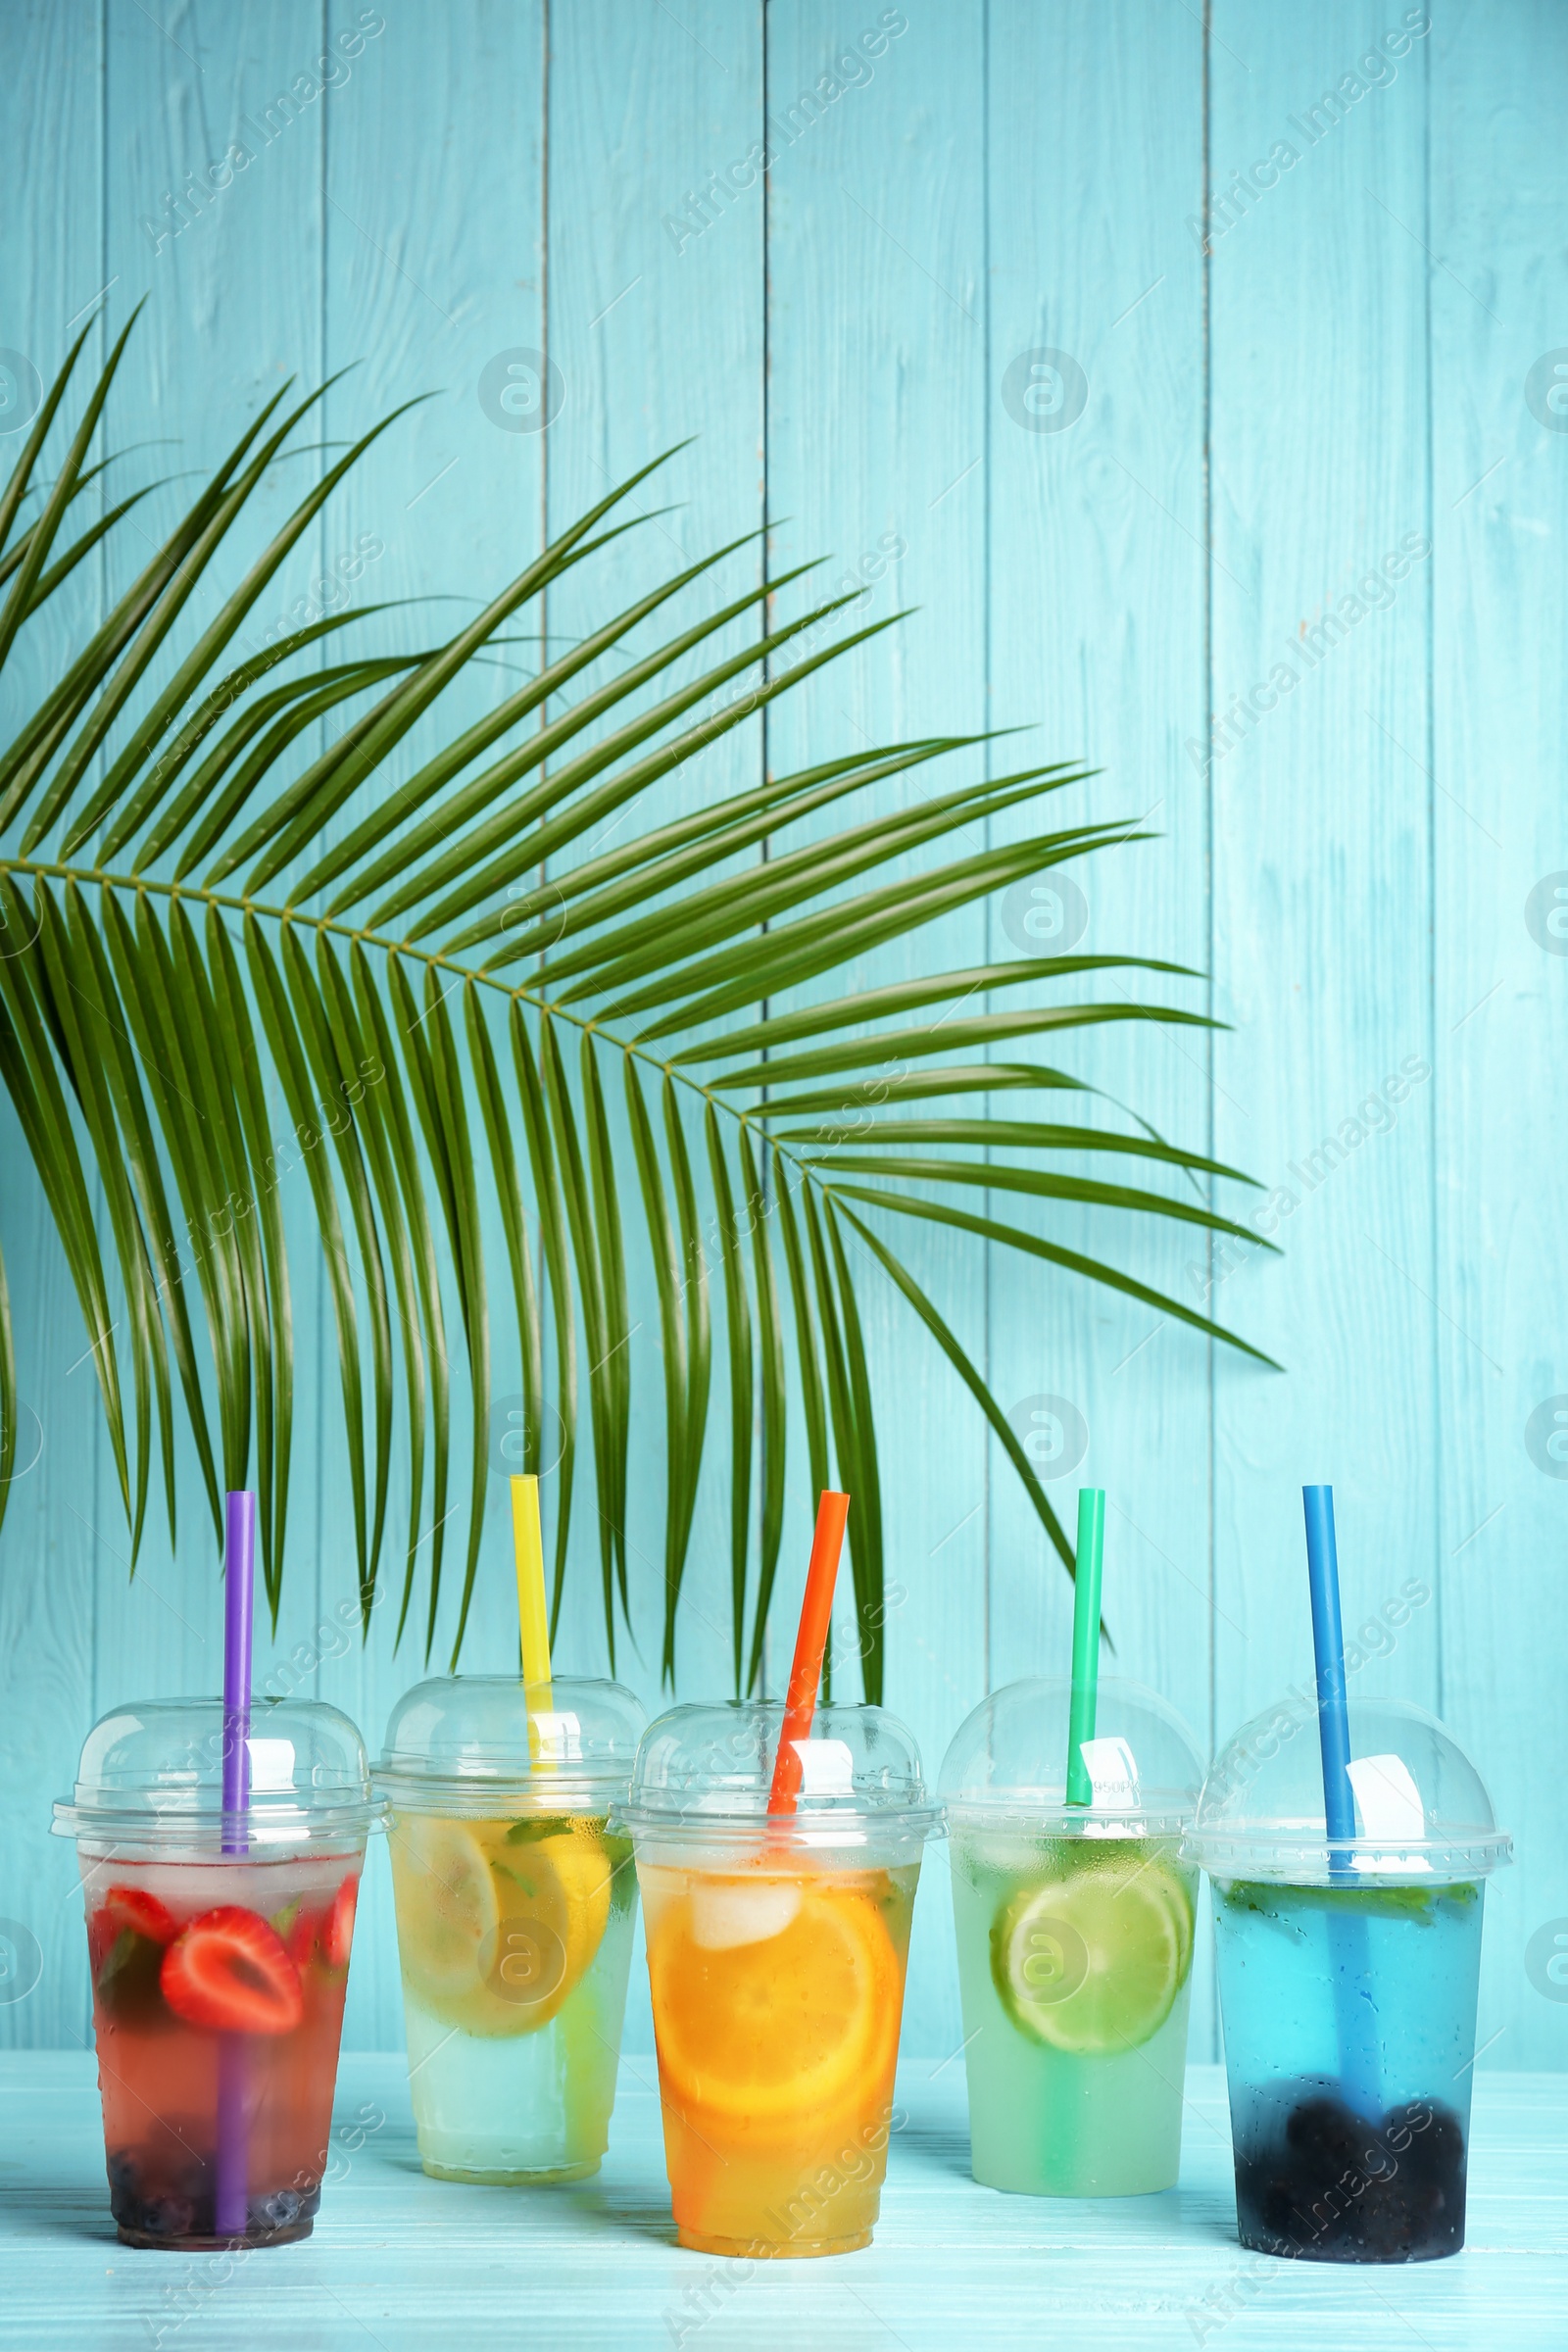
[516, 1905]
[1075, 1938]
[219, 1977]
[1347, 1975]
[776, 1949]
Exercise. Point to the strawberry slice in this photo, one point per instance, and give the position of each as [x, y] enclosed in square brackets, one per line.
[228, 1970]
[300, 1940]
[142, 1913]
[337, 1933]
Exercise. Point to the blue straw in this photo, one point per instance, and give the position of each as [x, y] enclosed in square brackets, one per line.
[1328, 1642]
[1354, 2016]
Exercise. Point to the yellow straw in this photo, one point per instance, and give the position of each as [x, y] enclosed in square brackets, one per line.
[533, 1615]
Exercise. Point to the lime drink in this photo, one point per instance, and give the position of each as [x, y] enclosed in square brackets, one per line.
[1075, 1969]
[1074, 1913]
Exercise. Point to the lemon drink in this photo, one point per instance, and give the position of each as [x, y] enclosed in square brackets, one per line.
[1075, 1966]
[516, 1906]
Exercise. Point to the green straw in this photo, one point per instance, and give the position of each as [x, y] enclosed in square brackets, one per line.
[1085, 1641]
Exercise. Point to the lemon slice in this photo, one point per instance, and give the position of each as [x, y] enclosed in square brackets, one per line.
[498, 1920]
[446, 1903]
[554, 1894]
[1092, 1964]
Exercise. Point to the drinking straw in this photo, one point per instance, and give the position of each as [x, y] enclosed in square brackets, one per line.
[1328, 1644]
[1355, 2016]
[239, 1584]
[1084, 1642]
[533, 1614]
[816, 1614]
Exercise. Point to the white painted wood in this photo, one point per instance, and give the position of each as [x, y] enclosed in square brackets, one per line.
[412, 2265]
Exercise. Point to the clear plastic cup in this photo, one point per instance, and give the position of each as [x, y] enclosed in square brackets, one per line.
[516, 1903]
[1075, 1938]
[219, 1975]
[777, 1950]
[1348, 1975]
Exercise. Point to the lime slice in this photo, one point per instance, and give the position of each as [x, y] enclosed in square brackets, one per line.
[1174, 1892]
[1092, 1964]
[446, 1904]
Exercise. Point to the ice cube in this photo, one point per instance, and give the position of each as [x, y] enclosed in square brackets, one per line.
[727, 1914]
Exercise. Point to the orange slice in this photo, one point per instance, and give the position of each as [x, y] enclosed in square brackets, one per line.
[798, 2022]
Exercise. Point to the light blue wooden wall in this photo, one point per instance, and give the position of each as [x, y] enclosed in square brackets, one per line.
[1355, 859]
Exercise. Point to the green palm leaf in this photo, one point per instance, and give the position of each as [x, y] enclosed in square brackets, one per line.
[8, 1390]
[558, 1266]
[770, 1350]
[738, 1319]
[412, 994]
[699, 1353]
[680, 1493]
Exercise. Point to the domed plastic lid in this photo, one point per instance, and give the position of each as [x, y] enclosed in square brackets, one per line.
[153, 1775]
[1421, 1810]
[1009, 1760]
[709, 1769]
[477, 1744]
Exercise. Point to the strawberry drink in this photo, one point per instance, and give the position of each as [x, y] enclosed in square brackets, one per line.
[185, 1954]
[218, 1977]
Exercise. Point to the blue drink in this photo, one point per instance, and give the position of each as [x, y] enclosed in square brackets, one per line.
[1348, 1960]
[1350, 2019]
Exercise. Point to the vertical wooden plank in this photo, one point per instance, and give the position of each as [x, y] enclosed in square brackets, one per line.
[1322, 830]
[1097, 603]
[226, 254]
[218, 127]
[877, 460]
[51, 100]
[1499, 183]
[659, 335]
[434, 263]
[232, 262]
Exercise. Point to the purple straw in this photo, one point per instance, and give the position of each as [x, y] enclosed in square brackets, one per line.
[239, 1582]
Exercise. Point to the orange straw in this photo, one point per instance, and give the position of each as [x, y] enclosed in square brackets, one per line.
[817, 1613]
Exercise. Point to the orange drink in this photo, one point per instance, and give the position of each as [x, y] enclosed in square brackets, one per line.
[776, 1951]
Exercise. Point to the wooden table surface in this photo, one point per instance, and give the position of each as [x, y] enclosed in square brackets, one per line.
[409, 2264]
